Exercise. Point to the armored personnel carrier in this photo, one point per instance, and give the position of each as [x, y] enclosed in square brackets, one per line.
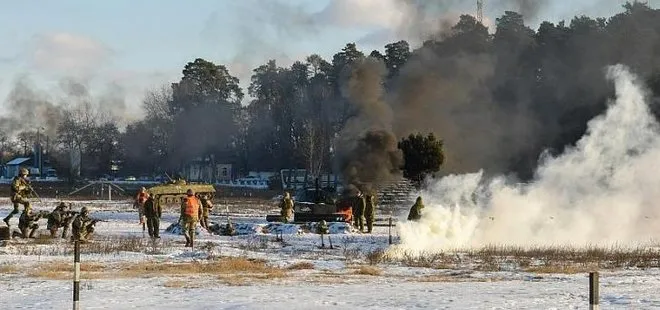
[174, 190]
[316, 204]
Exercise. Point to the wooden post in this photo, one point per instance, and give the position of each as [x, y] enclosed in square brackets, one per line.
[109, 192]
[390, 229]
[76, 275]
[593, 291]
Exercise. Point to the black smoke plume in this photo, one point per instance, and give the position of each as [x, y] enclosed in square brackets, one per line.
[367, 152]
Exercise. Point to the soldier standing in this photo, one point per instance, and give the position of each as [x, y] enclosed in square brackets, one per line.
[286, 208]
[140, 199]
[153, 212]
[416, 210]
[207, 206]
[190, 214]
[358, 214]
[20, 189]
[370, 212]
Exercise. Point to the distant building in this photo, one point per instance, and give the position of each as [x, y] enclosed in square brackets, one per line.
[12, 167]
[200, 170]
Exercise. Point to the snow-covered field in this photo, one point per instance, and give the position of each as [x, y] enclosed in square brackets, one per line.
[297, 273]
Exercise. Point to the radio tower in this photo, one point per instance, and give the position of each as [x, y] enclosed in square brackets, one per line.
[480, 11]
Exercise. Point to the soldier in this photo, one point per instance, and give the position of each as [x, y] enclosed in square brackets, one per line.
[190, 213]
[140, 199]
[153, 212]
[207, 206]
[27, 223]
[370, 212]
[416, 210]
[358, 212]
[286, 208]
[60, 217]
[83, 226]
[20, 189]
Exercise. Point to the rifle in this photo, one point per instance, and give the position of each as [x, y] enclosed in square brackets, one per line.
[32, 191]
[94, 221]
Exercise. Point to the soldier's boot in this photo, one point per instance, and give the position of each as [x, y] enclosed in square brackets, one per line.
[6, 219]
[65, 232]
[188, 242]
[32, 233]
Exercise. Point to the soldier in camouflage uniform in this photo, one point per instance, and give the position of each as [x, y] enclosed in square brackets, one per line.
[60, 217]
[416, 210]
[207, 206]
[27, 223]
[191, 211]
[82, 226]
[286, 208]
[153, 212]
[358, 212]
[370, 212]
[20, 189]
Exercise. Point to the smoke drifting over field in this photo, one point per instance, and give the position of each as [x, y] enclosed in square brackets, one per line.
[367, 151]
[604, 190]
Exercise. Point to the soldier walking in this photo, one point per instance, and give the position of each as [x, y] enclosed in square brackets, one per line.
[207, 206]
[190, 213]
[358, 213]
[20, 189]
[153, 212]
[286, 208]
[370, 212]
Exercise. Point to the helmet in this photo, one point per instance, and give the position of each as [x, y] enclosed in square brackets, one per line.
[23, 171]
[84, 210]
[323, 223]
[143, 189]
[287, 195]
[419, 199]
[190, 192]
[61, 206]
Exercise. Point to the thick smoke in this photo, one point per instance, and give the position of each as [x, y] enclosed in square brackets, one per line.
[29, 109]
[367, 151]
[602, 191]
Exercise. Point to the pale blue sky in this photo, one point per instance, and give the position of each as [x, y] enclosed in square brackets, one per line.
[138, 44]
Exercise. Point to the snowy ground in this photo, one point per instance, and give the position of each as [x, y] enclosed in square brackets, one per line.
[32, 277]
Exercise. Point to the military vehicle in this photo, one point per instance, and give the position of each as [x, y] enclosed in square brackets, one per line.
[314, 204]
[174, 190]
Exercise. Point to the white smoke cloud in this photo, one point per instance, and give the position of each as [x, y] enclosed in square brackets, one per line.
[602, 191]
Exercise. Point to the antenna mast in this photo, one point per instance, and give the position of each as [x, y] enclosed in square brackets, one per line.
[480, 11]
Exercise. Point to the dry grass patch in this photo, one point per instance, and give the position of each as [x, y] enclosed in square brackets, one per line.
[563, 269]
[369, 271]
[181, 284]
[301, 266]
[59, 270]
[221, 266]
[6, 268]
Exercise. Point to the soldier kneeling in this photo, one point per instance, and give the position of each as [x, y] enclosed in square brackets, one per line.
[27, 224]
[82, 226]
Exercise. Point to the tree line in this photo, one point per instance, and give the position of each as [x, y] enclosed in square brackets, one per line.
[491, 101]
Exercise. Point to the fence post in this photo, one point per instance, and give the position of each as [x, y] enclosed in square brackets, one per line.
[76, 274]
[593, 291]
[390, 229]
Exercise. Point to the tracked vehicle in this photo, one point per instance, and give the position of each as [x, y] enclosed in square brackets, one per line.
[175, 190]
[315, 204]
